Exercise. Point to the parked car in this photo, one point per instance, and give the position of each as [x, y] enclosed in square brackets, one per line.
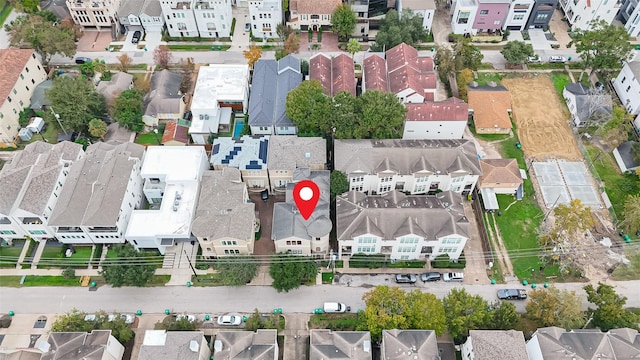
[405, 279]
[534, 59]
[512, 294]
[247, 27]
[81, 60]
[189, 317]
[557, 59]
[335, 307]
[454, 276]
[128, 318]
[431, 276]
[230, 320]
[136, 37]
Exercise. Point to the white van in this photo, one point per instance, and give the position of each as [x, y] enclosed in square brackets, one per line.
[335, 307]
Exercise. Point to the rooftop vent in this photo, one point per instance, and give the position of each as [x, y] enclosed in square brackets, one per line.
[366, 346]
[217, 346]
[307, 155]
[194, 346]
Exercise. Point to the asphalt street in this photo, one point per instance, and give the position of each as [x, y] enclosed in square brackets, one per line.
[40, 300]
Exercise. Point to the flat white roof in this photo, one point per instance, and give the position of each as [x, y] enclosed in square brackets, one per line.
[174, 163]
[220, 82]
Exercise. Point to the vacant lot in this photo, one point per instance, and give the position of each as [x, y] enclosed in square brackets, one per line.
[540, 121]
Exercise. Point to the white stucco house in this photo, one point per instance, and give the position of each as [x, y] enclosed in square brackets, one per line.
[213, 18]
[171, 176]
[102, 190]
[180, 18]
[265, 15]
[627, 86]
[426, 9]
[580, 13]
[30, 186]
[518, 14]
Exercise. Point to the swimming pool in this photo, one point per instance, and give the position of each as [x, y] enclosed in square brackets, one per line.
[237, 127]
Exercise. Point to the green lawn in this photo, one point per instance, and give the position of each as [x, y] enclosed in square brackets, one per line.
[198, 47]
[630, 271]
[340, 322]
[149, 138]
[14, 281]
[618, 186]
[9, 254]
[51, 258]
[546, 66]
[327, 277]
[560, 80]
[485, 77]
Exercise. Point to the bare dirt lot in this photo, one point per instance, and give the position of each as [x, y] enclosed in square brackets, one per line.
[541, 123]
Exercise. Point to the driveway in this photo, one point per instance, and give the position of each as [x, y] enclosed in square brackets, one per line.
[539, 40]
[265, 245]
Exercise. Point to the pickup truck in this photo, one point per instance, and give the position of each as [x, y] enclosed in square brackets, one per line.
[512, 294]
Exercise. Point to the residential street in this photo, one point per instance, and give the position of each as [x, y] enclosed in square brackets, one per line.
[48, 300]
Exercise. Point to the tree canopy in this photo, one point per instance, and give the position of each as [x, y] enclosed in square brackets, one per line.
[252, 55]
[76, 101]
[128, 110]
[465, 312]
[602, 46]
[97, 128]
[343, 21]
[309, 108]
[129, 268]
[393, 308]
[467, 55]
[609, 312]
[517, 52]
[162, 56]
[631, 222]
[290, 271]
[399, 28]
[353, 46]
[74, 321]
[616, 131]
[339, 183]
[555, 307]
[43, 34]
[236, 271]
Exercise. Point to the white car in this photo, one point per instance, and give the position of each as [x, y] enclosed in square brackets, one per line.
[557, 59]
[191, 318]
[534, 59]
[230, 320]
[90, 317]
[453, 276]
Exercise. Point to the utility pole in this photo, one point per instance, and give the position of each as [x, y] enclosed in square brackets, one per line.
[190, 265]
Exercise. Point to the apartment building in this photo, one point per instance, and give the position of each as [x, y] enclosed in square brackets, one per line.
[21, 71]
[102, 190]
[265, 15]
[629, 16]
[580, 13]
[213, 18]
[180, 18]
[627, 86]
[98, 14]
[140, 15]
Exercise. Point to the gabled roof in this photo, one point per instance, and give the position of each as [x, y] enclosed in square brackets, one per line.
[29, 179]
[162, 344]
[498, 344]
[315, 7]
[39, 98]
[491, 106]
[500, 171]
[151, 8]
[112, 88]
[396, 214]
[223, 210]
[12, 62]
[344, 345]
[405, 155]
[164, 94]
[288, 152]
[131, 7]
[246, 345]
[624, 150]
[96, 345]
[589, 104]
[452, 109]
[419, 4]
[634, 66]
[287, 221]
[96, 185]
[375, 73]
[420, 344]
[175, 132]
[266, 106]
[335, 74]
[556, 343]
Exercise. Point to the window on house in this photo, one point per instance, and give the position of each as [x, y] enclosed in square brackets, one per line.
[463, 17]
[484, 12]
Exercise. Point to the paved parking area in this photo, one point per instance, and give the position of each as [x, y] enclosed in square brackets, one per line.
[93, 40]
[265, 245]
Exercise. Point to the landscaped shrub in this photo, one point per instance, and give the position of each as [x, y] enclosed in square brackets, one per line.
[444, 262]
[367, 261]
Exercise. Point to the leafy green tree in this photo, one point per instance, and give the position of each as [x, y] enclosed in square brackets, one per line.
[353, 46]
[465, 312]
[128, 110]
[517, 52]
[129, 268]
[381, 116]
[396, 29]
[309, 108]
[602, 46]
[24, 117]
[74, 321]
[44, 36]
[236, 271]
[172, 323]
[445, 59]
[467, 55]
[609, 312]
[631, 212]
[27, 6]
[76, 101]
[304, 67]
[573, 218]
[339, 183]
[503, 315]
[463, 79]
[616, 131]
[385, 309]
[345, 115]
[254, 321]
[97, 128]
[290, 271]
[343, 21]
[425, 311]
[555, 307]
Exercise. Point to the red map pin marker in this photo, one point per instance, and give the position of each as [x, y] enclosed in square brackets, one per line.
[306, 195]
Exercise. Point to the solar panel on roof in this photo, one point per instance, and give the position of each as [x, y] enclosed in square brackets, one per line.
[224, 161]
[237, 148]
[253, 167]
[216, 148]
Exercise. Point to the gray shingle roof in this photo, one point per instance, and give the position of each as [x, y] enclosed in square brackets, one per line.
[343, 345]
[498, 344]
[635, 68]
[290, 152]
[590, 105]
[151, 8]
[28, 181]
[176, 345]
[556, 343]
[395, 214]
[222, 210]
[78, 345]
[246, 345]
[406, 156]
[419, 344]
[96, 185]
[624, 150]
[287, 221]
[39, 99]
[266, 106]
[131, 7]
[112, 88]
[164, 95]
